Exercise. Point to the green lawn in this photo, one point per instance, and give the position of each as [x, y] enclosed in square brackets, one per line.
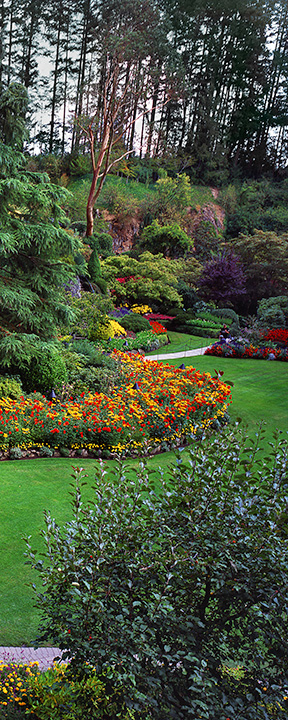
[259, 392]
[30, 486]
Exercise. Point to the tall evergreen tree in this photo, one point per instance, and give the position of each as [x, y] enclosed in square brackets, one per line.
[32, 248]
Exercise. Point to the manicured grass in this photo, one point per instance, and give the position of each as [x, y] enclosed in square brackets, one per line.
[28, 487]
[259, 392]
[181, 342]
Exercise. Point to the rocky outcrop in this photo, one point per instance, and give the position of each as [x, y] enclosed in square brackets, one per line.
[210, 212]
[125, 233]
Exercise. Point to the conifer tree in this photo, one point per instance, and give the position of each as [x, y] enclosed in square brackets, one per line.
[32, 247]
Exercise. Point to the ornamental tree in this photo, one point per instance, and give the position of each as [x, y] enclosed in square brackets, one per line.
[174, 584]
[151, 279]
[222, 279]
[170, 240]
[264, 257]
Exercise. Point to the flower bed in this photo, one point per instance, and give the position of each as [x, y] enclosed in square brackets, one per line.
[27, 692]
[145, 339]
[155, 407]
[276, 335]
[238, 350]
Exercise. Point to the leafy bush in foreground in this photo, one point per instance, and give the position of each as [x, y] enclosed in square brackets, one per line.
[170, 579]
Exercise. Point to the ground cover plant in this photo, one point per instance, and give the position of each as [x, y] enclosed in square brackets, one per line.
[151, 406]
[167, 612]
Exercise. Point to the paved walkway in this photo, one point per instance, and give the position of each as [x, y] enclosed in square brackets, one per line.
[174, 356]
[45, 655]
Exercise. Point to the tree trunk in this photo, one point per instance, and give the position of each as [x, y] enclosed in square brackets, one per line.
[53, 108]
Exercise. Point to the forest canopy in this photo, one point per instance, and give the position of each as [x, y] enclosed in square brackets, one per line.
[208, 89]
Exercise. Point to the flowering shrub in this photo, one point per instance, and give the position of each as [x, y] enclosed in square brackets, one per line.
[115, 328]
[14, 688]
[155, 405]
[238, 350]
[55, 693]
[276, 335]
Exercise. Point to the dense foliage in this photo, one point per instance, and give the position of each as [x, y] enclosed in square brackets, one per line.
[207, 81]
[168, 579]
[150, 279]
[33, 245]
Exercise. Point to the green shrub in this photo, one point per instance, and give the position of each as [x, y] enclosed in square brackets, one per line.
[10, 387]
[94, 267]
[226, 313]
[45, 451]
[64, 451]
[91, 353]
[47, 370]
[170, 240]
[101, 284]
[134, 322]
[102, 242]
[165, 579]
[273, 312]
[16, 453]
[39, 364]
[199, 331]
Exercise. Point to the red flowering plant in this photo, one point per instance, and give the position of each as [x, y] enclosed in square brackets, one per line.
[276, 335]
[157, 328]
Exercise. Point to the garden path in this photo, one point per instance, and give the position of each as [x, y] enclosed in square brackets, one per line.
[174, 356]
[45, 655]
